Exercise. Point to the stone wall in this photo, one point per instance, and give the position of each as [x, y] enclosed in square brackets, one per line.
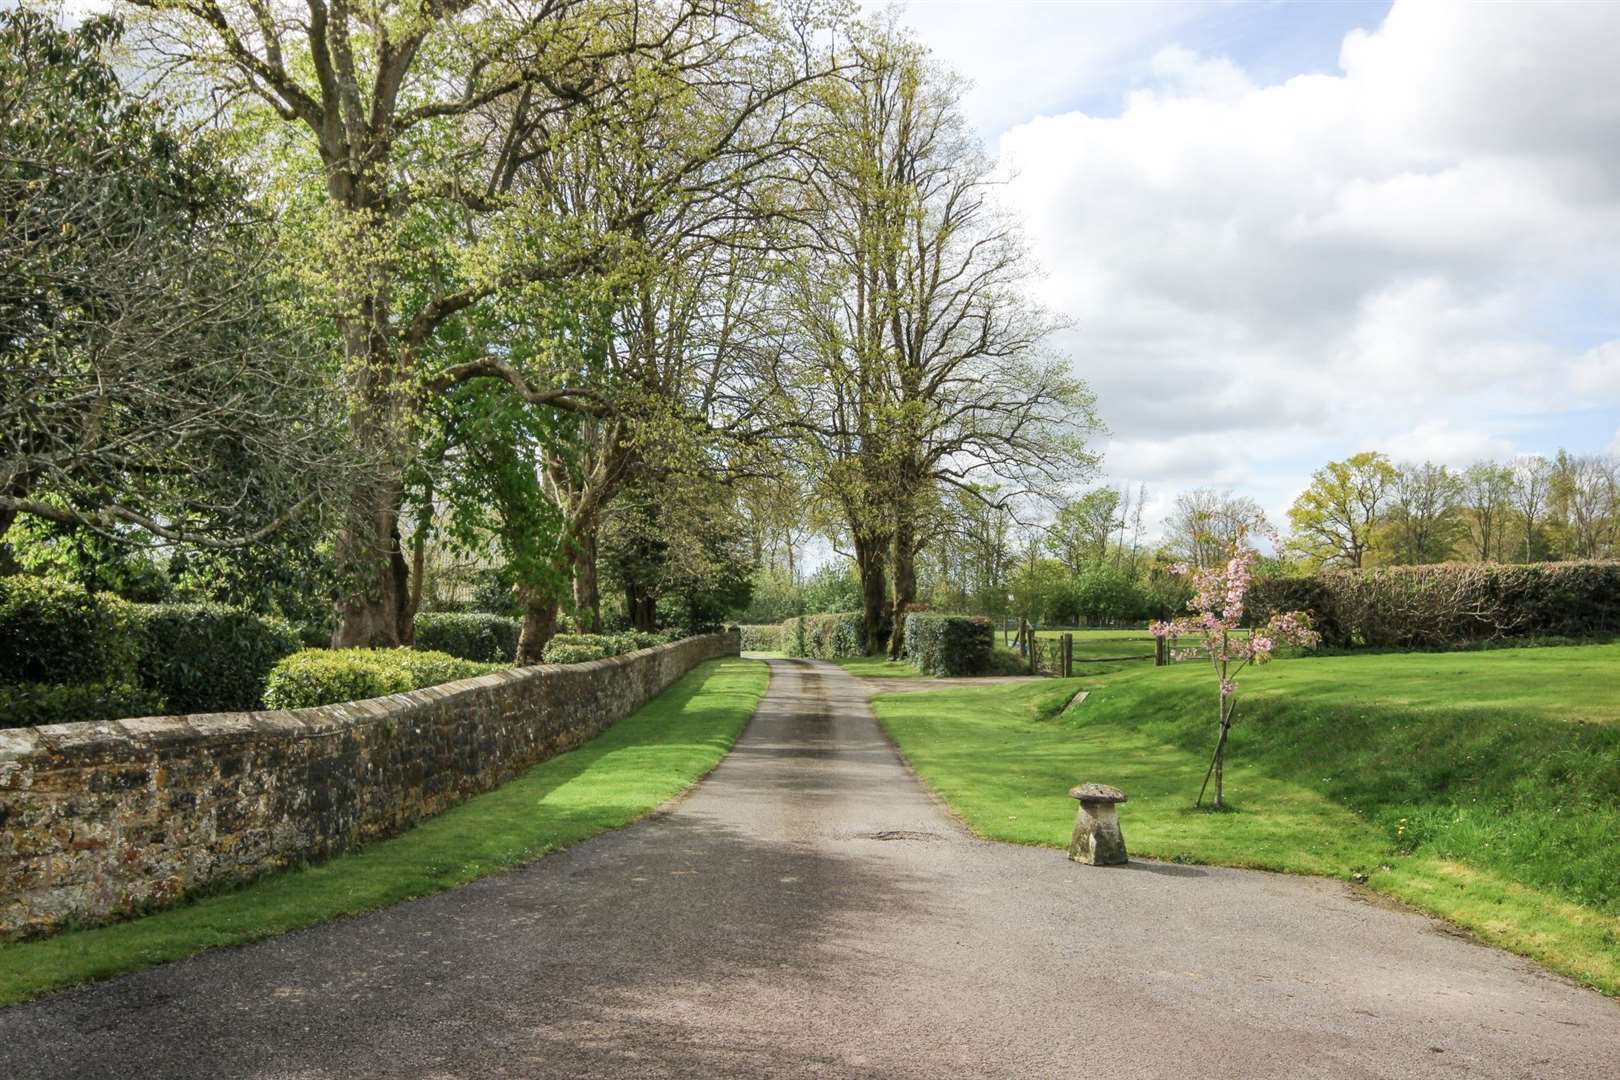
[98, 821]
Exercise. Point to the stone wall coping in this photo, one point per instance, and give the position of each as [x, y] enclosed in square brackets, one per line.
[91, 738]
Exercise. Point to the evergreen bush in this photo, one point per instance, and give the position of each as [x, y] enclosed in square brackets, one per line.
[825, 637]
[581, 648]
[33, 704]
[57, 633]
[937, 644]
[329, 676]
[489, 639]
[766, 638]
[209, 657]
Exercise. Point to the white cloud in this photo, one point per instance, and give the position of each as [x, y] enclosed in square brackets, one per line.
[1262, 277]
[1023, 61]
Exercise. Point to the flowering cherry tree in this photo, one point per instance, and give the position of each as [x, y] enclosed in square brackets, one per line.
[1219, 591]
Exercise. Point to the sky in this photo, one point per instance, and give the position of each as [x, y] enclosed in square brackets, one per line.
[1285, 233]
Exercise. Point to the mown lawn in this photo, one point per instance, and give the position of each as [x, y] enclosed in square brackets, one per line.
[613, 780]
[1483, 786]
[878, 667]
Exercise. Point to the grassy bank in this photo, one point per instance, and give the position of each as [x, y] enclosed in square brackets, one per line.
[618, 777]
[1484, 787]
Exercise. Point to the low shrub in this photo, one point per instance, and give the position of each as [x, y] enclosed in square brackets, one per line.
[825, 637]
[1449, 605]
[32, 704]
[56, 632]
[581, 648]
[477, 636]
[938, 644]
[329, 676]
[209, 657]
[761, 638]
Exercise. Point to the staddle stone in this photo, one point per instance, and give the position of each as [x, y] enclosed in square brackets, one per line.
[1097, 793]
[1097, 840]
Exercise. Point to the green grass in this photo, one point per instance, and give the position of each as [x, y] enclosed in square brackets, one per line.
[879, 667]
[615, 779]
[1483, 787]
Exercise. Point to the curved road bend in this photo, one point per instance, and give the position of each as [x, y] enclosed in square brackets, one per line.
[809, 911]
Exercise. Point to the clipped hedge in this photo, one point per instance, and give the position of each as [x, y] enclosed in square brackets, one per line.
[939, 644]
[581, 648]
[329, 676]
[767, 638]
[56, 632]
[33, 704]
[1449, 604]
[825, 637]
[209, 657]
[489, 639]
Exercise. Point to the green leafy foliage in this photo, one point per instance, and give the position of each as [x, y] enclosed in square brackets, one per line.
[58, 632]
[761, 638]
[209, 657]
[326, 677]
[825, 637]
[949, 644]
[489, 639]
[1449, 604]
[581, 648]
[32, 704]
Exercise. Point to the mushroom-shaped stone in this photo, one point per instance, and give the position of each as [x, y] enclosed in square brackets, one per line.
[1097, 840]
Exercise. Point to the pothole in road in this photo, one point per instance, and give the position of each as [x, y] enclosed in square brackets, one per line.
[899, 834]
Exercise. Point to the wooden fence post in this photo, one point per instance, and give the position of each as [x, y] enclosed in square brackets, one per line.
[1160, 653]
[1068, 656]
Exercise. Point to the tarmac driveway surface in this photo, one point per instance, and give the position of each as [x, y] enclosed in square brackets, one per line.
[811, 911]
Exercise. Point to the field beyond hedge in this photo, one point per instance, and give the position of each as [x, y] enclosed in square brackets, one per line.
[1483, 787]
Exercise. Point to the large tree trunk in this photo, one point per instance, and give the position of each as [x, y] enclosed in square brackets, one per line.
[587, 593]
[641, 606]
[375, 609]
[905, 578]
[871, 552]
[540, 609]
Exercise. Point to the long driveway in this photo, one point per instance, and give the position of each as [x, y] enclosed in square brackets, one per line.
[810, 911]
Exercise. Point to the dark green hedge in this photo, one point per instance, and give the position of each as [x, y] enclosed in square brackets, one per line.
[209, 657]
[489, 639]
[104, 654]
[329, 676]
[767, 638]
[33, 704]
[55, 632]
[1449, 604]
[938, 644]
[581, 648]
[825, 637]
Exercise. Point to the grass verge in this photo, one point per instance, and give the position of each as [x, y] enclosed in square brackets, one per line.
[615, 779]
[1481, 787]
[878, 667]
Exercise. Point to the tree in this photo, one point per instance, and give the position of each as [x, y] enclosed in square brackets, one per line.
[1334, 519]
[1424, 521]
[1487, 500]
[1585, 493]
[1205, 521]
[1532, 485]
[1219, 593]
[149, 383]
[413, 133]
[915, 321]
[677, 553]
[1084, 528]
